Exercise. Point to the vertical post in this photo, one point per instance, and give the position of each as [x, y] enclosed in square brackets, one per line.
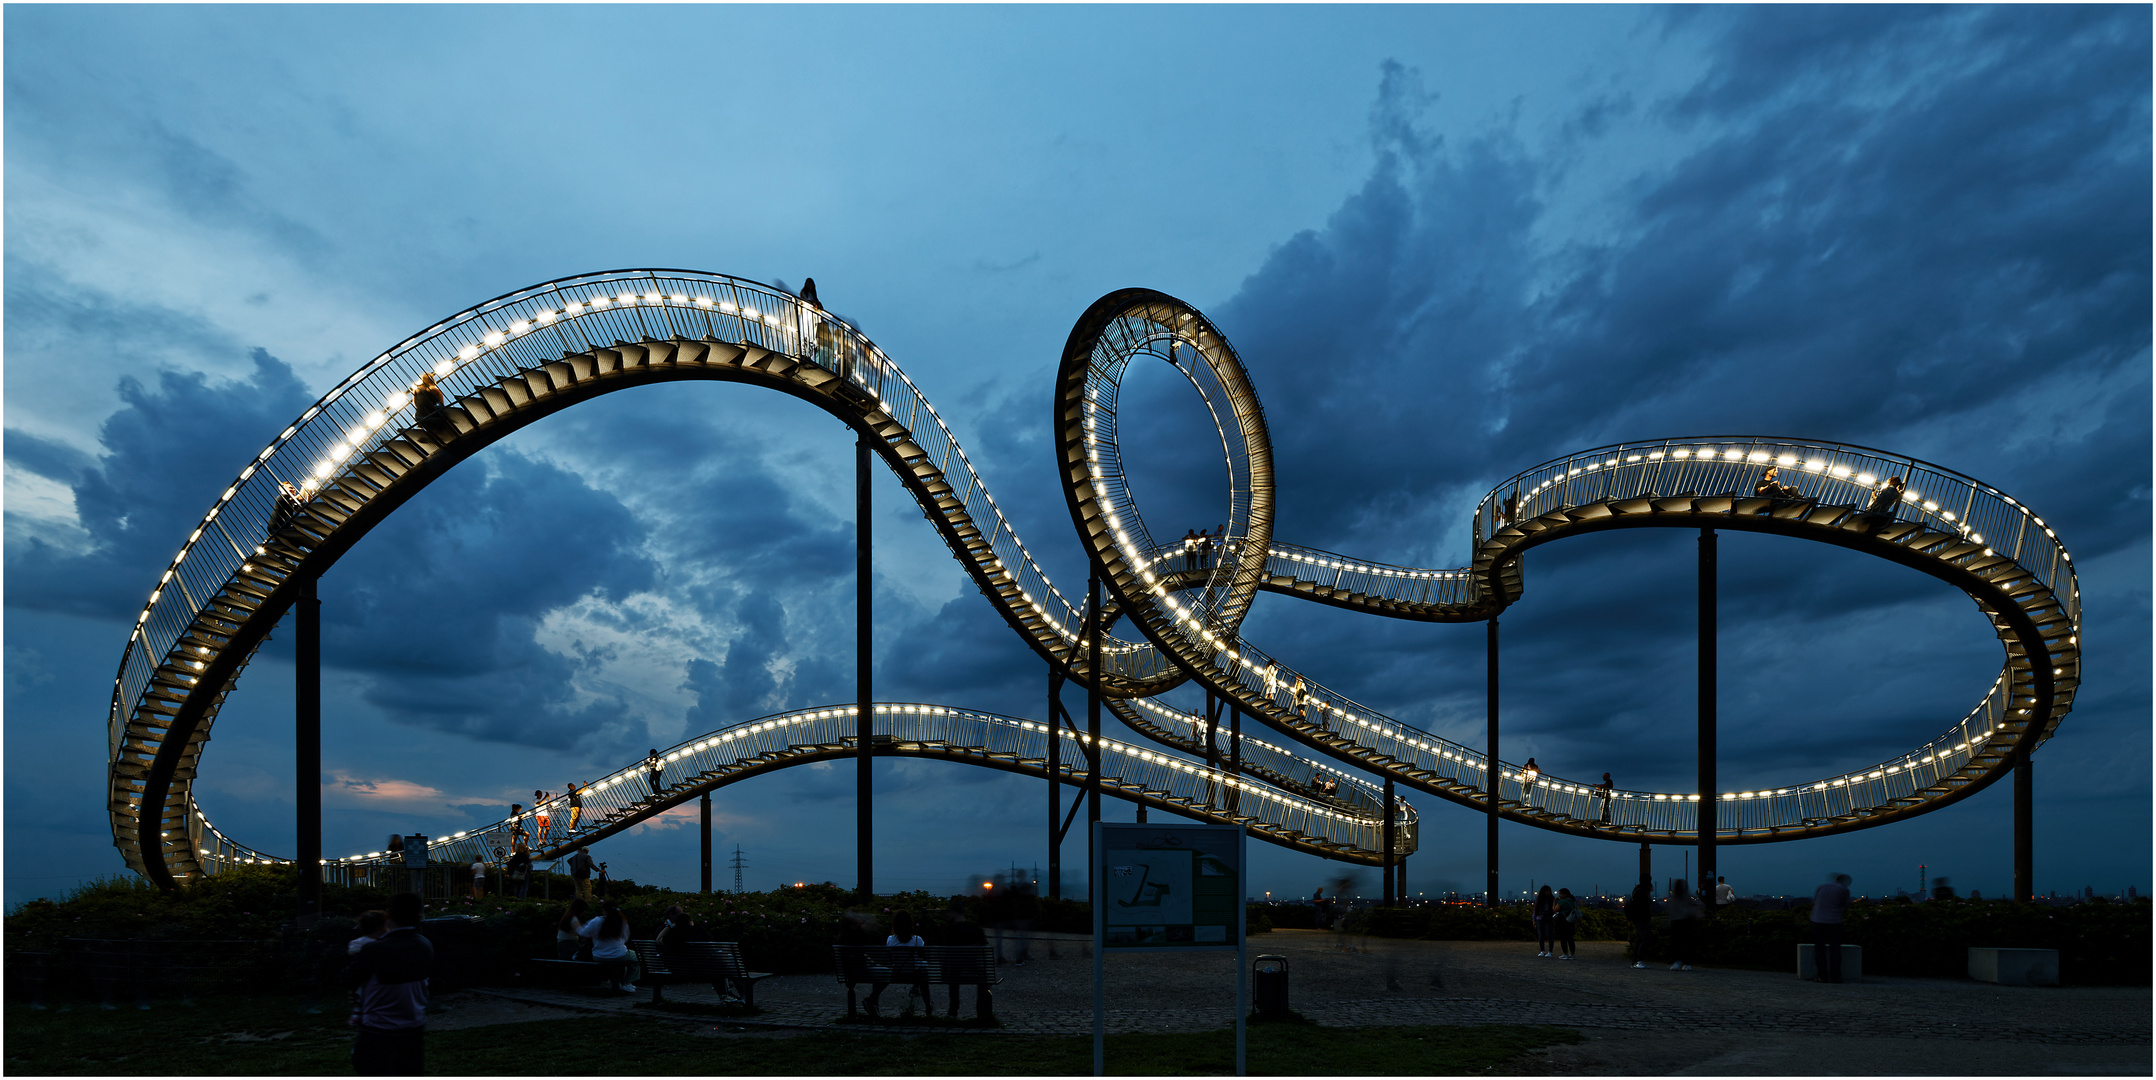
[706, 808]
[1708, 806]
[1391, 898]
[1055, 781]
[2024, 831]
[1092, 704]
[307, 748]
[864, 630]
[1399, 873]
[1235, 754]
[1492, 779]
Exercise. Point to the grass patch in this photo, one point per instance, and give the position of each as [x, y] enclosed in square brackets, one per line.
[276, 1036]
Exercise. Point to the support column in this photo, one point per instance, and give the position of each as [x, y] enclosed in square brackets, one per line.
[1055, 782]
[1399, 873]
[864, 587]
[1709, 809]
[1092, 705]
[307, 747]
[2024, 831]
[1646, 865]
[1492, 779]
[1235, 754]
[1392, 898]
[705, 806]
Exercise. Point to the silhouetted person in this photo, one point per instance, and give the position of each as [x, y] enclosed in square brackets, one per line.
[959, 930]
[287, 511]
[1639, 911]
[1772, 488]
[426, 398]
[576, 806]
[391, 975]
[1723, 894]
[1685, 913]
[520, 871]
[1888, 496]
[1603, 791]
[1510, 512]
[1529, 773]
[1830, 905]
[1940, 890]
[580, 868]
[653, 763]
[908, 967]
[808, 293]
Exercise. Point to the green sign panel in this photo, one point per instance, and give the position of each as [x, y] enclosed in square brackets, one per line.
[1168, 886]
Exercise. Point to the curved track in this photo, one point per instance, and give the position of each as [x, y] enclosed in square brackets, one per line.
[360, 454]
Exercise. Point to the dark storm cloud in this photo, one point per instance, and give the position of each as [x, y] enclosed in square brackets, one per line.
[1924, 230]
[167, 452]
[435, 609]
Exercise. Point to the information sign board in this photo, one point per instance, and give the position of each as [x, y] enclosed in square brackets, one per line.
[1175, 887]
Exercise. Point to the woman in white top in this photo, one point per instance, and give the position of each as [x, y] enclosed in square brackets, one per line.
[906, 968]
[609, 934]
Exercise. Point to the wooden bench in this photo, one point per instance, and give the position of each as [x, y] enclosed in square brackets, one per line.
[946, 965]
[716, 962]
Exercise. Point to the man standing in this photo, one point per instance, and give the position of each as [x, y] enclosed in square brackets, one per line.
[576, 807]
[1830, 904]
[653, 762]
[580, 872]
[391, 975]
[1639, 911]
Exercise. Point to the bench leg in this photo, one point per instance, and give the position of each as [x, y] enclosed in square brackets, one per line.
[657, 989]
[954, 988]
[851, 1005]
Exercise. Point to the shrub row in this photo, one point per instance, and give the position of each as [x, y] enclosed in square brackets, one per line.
[2099, 943]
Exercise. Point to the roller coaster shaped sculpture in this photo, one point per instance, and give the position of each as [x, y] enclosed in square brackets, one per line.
[361, 451]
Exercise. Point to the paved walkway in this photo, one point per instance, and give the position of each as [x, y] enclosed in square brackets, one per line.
[1651, 1021]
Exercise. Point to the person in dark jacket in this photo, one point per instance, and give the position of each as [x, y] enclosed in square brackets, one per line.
[391, 975]
[1639, 911]
[580, 868]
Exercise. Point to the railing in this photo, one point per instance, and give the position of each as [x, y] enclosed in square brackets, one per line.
[1940, 499]
[627, 794]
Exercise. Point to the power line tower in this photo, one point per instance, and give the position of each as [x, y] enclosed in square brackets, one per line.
[740, 861]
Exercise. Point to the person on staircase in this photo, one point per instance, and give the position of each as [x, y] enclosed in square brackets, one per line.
[426, 398]
[1888, 496]
[1770, 486]
[1529, 773]
[653, 763]
[1603, 791]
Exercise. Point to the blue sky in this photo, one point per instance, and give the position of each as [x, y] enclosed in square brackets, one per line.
[1449, 242]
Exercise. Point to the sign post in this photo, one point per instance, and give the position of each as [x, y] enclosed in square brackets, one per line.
[1168, 888]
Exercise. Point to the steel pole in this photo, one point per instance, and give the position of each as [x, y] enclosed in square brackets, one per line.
[1092, 705]
[2024, 831]
[307, 747]
[864, 587]
[1391, 897]
[705, 807]
[1709, 807]
[1492, 780]
[1055, 782]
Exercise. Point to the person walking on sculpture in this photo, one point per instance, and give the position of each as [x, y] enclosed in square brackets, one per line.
[653, 763]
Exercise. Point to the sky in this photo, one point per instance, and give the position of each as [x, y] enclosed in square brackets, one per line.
[1449, 243]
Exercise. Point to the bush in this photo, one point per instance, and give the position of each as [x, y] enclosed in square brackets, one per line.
[2099, 943]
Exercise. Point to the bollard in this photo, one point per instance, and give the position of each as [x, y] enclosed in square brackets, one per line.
[1269, 987]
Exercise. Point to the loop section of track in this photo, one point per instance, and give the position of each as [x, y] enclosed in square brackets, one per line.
[1190, 602]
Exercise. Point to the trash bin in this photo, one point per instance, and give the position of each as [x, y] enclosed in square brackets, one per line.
[1269, 987]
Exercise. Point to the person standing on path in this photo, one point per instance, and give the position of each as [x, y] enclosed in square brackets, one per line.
[479, 877]
[1568, 917]
[1685, 913]
[1639, 911]
[391, 975]
[580, 867]
[1544, 915]
[1830, 905]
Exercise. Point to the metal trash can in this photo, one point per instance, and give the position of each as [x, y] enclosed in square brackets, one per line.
[1269, 987]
